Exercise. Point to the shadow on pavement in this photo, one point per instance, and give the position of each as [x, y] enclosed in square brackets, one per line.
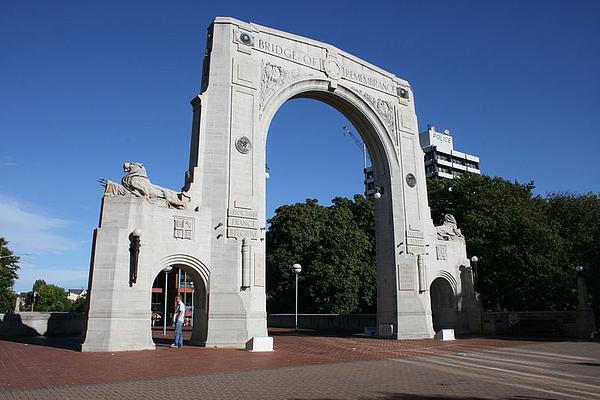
[360, 335]
[67, 343]
[313, 332]
[589, 364]
[404, 396]
[73, 342]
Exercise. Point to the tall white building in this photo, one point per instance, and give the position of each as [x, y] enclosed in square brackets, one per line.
[441, 159]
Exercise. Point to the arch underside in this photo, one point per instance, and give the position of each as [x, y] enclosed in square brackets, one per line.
[350, 104]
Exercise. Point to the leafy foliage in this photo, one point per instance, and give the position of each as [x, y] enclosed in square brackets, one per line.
[9, 265]
[576, 218]
[38, 284]
[336, 248]
[528, 246]
[78, 305]
[51, 298]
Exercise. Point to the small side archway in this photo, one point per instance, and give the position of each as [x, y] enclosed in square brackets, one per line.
[188, 275]
[444, 310]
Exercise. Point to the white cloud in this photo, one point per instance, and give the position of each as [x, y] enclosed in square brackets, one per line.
[65, 277]
[28, 231]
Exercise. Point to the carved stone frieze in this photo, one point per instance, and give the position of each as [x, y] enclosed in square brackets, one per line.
[273, 78]
[384, 108]
[441, 252]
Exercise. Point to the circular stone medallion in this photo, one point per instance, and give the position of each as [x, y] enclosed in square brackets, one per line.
[245, 38]
[411, 180]
[243, 144]
[333, 69]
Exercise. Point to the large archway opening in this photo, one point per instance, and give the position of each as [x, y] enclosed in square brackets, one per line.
[182, 280]
[326, 163]
[444, 311]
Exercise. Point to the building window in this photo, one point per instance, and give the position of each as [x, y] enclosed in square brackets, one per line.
[185, 280]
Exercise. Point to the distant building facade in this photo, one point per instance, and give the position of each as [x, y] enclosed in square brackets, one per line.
[369, 182]
[442, 160]
[75, 294]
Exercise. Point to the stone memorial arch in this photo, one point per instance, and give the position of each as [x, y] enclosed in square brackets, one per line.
[215, 227]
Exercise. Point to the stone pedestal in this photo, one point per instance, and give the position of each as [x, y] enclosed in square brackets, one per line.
[260, 344]
[444, 334]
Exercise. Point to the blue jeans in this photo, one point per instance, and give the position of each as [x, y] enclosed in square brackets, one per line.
[179, 334]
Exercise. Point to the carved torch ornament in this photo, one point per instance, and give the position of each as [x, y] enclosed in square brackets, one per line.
[134, 255]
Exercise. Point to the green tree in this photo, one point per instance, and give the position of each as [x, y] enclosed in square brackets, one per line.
[9, 264]
[576, 218]
[78, 305]
[523, 260]
[38, 284]
[335, 246]
[51, 298]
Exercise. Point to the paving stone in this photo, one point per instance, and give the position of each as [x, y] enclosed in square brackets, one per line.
[308, 366]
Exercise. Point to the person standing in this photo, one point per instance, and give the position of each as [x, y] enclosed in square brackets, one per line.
[178, 319]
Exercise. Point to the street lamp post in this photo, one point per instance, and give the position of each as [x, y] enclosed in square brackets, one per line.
[166, 271]
[474, 260]
[296, 268]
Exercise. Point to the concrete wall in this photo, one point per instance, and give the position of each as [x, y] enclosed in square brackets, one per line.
[334, 322]
[41, 323]
[531, 323]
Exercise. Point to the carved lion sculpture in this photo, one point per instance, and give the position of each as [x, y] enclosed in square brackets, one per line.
[449, 229]
[136, 183]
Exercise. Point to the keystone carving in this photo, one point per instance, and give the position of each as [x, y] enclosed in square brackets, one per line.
[135, 183]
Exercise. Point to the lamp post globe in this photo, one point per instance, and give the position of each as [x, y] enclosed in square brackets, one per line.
[137, 232]
[474, 260]
[296, 268]
[579, 269]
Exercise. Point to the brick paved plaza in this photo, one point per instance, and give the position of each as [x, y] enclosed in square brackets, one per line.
[307, 366]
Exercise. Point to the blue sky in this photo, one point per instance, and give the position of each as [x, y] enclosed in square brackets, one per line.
[85, 86]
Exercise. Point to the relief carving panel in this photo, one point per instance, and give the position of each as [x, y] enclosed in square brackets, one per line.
[384, 108]
[183, 228]
[273, 78]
